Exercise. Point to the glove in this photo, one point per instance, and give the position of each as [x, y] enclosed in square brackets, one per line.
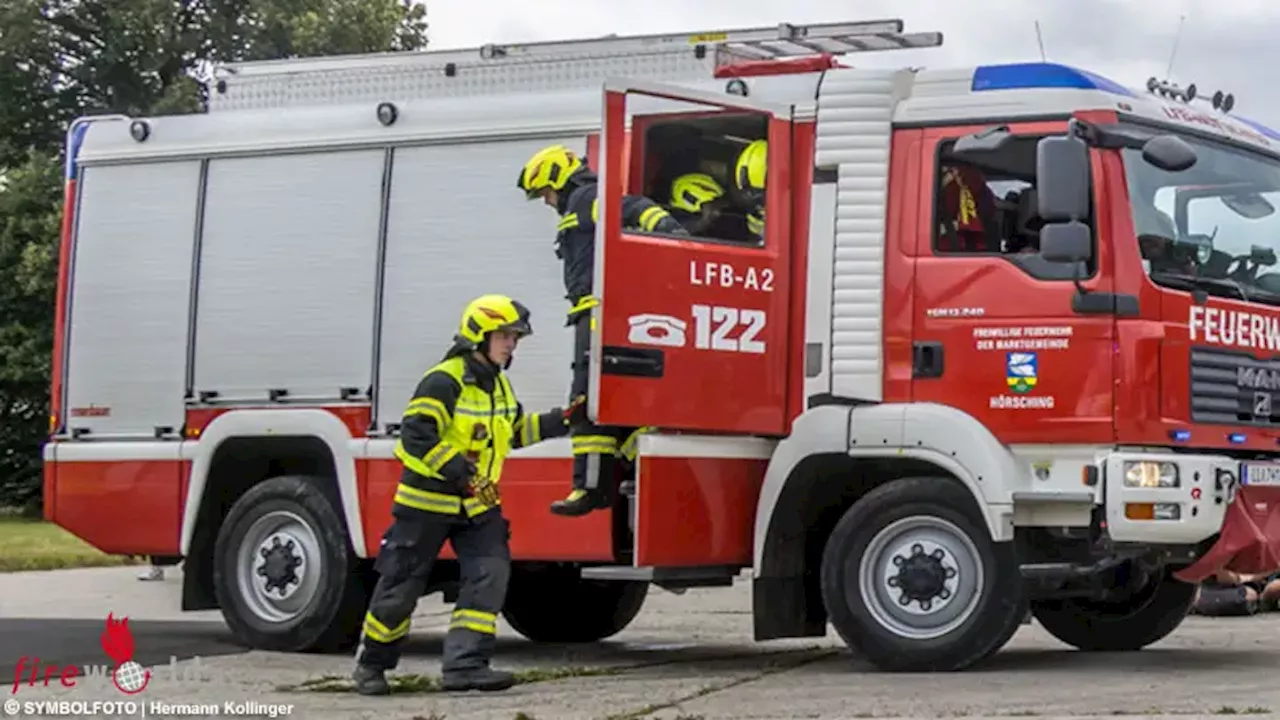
[459, 472]
[484, 490]
[577, 410]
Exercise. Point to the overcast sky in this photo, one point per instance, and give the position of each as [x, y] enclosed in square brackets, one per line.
[1233, 45]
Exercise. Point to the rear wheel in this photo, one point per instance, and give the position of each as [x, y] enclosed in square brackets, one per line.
[284, 573]
[913, 582]
[1147, 616]
[558, 606]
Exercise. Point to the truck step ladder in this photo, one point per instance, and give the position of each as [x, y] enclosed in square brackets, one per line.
[672, 579]
[540, 66]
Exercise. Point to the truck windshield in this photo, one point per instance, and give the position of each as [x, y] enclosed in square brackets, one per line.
[1213, 227]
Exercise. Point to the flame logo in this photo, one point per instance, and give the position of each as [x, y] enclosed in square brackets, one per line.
[117, 642]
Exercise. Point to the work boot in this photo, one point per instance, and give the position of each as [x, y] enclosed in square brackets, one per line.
[370, 680]
[580, 502]
[483, 679]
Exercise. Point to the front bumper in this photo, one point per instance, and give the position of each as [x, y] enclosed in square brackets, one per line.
[1185, 514]
[1207, 499]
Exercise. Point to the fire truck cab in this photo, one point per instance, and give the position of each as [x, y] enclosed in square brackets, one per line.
[989, 354]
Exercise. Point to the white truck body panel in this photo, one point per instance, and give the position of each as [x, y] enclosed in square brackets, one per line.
[287, 273]
[129, 304]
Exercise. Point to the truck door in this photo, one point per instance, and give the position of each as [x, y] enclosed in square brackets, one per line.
[691, 333]
[995, 333]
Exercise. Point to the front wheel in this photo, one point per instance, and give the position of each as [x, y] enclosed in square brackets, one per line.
[284, 574]
[913, 582]
[1145, 617]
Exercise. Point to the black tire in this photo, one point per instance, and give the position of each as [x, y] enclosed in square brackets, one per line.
[330, 615]
[994, 608]
[1150, 615]
[557, 606]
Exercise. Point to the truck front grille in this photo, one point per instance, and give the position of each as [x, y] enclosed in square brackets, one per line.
[1234, 388]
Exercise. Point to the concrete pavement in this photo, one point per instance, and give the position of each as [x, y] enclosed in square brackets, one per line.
[687, 657]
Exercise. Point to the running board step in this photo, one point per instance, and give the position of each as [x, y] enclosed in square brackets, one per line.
[667, 578]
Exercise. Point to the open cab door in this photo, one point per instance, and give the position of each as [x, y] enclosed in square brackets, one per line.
[692, 331]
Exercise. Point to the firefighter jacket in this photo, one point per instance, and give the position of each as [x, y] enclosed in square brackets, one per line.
[576, 235]
[463, 421]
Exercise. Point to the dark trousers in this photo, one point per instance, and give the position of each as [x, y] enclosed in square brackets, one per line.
[409, 550]
[595, 447]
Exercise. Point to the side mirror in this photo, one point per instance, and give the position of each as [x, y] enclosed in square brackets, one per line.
[1062, 179]
[1068, 242]
[1169, 153]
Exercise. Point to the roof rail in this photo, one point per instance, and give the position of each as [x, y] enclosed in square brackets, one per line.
[761, 43]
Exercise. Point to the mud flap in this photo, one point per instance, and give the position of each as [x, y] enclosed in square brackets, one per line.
[1250, 539]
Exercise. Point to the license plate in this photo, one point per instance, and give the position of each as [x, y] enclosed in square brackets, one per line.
[1262, 473]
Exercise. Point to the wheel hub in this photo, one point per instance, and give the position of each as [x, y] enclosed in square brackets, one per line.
[921, 577]
[281, 564]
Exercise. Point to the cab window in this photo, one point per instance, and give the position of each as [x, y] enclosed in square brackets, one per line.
[688, 164]
[986, 205]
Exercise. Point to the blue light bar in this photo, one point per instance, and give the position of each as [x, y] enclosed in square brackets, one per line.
[1033, 76]
[74, 140]
[1180, 435]
[1236, 438]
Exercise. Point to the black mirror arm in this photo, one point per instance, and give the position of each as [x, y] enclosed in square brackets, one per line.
[1105, 138]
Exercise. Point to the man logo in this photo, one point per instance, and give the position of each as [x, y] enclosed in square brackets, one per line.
[1262, 405]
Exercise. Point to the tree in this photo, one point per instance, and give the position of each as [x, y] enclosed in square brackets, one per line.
[63, 58]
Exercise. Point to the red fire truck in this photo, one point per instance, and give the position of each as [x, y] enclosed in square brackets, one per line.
[1009, 341]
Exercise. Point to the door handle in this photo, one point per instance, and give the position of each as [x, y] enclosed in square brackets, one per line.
[927, 359]
[631, 362]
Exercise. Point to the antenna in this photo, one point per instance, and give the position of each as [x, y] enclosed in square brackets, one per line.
[1040, 42]
[1173, 54]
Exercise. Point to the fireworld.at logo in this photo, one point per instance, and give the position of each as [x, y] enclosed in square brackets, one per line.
[116, 639]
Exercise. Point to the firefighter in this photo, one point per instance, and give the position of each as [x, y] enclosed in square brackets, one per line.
[699, 202]
[563, 181]
[748, 176]
[456, 432]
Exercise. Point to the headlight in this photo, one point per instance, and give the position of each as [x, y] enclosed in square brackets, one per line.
[1149, 474]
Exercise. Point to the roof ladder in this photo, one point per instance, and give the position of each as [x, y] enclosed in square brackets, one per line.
[761, 43]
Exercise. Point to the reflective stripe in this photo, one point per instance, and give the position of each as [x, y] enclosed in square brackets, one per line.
[755, 225]
[375, 630]
[650, 218]
[530, 430]
[595, 210]
[585, 303]
[502, 408]
[570, 221]
[474, 506]
[439, 455]
[594, 445]
[631, 447]
[413, 463]
[427, 501]
[474, 620]
[432, 408]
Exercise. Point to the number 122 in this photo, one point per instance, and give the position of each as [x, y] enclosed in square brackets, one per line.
[712, 326]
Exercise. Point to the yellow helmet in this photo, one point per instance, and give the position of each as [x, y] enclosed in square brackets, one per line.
[689, 192]
[488, 313]
[752, 166]
[550, 168]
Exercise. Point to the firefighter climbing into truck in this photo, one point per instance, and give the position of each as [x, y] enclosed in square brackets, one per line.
[560, 178]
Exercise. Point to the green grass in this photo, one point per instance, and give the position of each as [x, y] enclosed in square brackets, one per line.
[33, 544]
[412, 684]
